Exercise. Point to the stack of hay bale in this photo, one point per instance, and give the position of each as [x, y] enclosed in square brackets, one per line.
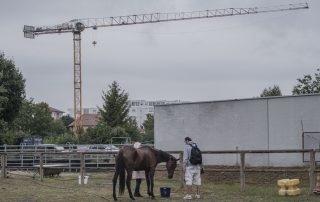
[289, 187]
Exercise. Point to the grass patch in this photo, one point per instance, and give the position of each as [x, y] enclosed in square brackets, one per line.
[20, 186]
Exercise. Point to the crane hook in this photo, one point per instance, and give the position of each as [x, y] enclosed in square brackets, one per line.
[94, 43]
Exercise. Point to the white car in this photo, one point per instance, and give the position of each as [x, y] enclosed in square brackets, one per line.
[104, 147]
[49, 148]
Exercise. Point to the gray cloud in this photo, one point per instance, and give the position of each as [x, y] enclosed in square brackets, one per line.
[209, 59]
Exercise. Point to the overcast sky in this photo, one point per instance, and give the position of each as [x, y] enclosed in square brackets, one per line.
[196, 60]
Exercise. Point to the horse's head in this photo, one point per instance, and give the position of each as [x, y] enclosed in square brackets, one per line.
[171, 166]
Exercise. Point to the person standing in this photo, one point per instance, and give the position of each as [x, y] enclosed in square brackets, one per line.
[192, 166]
[138, 175]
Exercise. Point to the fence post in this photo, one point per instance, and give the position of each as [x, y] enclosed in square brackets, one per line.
[181, 170]
[41, 167]
[4, 165]
[82, 164]
[311, 171]
[242, 174]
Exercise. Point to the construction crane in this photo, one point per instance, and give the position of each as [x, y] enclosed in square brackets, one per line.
[77, 26]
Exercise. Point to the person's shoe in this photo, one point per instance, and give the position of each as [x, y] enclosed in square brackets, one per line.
[187, 197]
[137, 195]
[197, 196]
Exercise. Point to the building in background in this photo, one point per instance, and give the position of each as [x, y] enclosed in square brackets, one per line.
[55, 113]
[90, 110]
[140, 108]
[88, 121]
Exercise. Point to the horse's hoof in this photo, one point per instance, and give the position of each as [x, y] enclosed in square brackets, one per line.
[132, 198]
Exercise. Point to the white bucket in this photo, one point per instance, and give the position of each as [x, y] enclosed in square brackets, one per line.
[85, 179]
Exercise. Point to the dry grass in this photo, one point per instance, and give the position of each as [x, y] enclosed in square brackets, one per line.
[20, 186]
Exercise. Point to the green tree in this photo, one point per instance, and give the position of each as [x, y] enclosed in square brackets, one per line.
[12, 91]
[61, 139]
[58, 127]
[101, 134]
[148, 125]
[308, 84]
[115, 120]
[67, 120]
[35, 119]
[271, 91]
[3, 99]
[115, 109]
[132, 129]
[41, 120]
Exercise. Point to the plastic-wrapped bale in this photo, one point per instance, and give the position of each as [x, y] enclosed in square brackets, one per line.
[283, 186]
[289, 187]
[293, 190]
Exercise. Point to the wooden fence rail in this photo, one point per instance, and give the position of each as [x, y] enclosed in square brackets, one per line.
[242, 153]
[312, 164]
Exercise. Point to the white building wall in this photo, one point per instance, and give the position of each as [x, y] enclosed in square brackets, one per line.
[248, 124]
[86, 110]
[140, 108]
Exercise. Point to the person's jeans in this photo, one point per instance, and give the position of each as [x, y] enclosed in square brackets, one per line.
[137, 189]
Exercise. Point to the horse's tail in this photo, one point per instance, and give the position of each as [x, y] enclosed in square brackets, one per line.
[122, 174]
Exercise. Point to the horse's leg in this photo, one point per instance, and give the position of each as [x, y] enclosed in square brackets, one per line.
[128, 182]
[148, 181]
[114, 183]
[152, 171]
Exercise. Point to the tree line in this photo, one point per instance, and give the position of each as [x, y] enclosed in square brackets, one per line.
[21, 117]
[308, 84]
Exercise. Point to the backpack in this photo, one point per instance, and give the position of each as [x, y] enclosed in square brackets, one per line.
[196, 155]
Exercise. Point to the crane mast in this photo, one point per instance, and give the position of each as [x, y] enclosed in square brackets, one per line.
[76, 26]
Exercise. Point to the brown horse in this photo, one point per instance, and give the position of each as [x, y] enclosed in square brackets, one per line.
[145, 158]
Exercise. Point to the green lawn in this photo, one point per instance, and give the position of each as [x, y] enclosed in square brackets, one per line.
[20, 186]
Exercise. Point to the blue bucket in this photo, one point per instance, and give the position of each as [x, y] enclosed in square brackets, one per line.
[165, 192]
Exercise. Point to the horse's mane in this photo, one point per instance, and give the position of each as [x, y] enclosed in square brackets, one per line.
[161, 155]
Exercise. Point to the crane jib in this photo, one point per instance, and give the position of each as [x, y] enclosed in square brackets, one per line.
[81, 24]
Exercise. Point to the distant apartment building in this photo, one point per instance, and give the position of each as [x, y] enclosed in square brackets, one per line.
[140, 108]
[90, 110]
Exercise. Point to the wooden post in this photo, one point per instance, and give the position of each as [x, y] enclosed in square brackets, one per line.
[181, 170]
[3, 165]
[242, 174]
[311, 171]
[82, 164]
[41, 167]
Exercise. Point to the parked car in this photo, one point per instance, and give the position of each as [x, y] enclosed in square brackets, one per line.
[49, 148]
[104, 147]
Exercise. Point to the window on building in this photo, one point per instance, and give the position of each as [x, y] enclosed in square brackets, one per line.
[86, 111]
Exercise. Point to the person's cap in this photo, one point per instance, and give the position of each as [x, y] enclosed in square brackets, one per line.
[188, 139]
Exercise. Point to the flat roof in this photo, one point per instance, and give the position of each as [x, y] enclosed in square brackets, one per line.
[242, 99]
